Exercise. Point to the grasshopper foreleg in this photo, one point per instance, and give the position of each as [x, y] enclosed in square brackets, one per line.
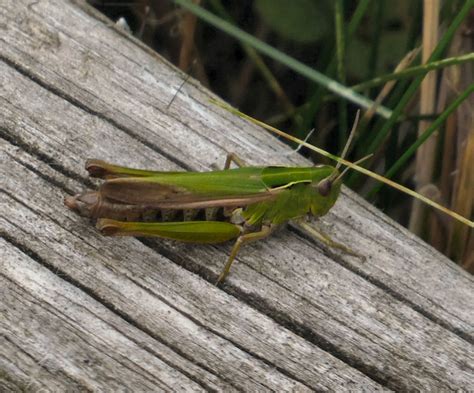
[241, 240]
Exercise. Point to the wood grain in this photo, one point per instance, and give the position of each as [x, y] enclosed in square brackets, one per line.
[86, 312]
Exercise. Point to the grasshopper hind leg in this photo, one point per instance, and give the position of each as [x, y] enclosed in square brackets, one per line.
[241, 240]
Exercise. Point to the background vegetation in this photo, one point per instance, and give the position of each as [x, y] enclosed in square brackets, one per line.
[306, 64]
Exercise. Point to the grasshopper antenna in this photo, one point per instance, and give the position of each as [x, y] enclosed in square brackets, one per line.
[294, 151]
[355, 163]
[349, 140]
[324, 186]
[298, 148]
[305, 140]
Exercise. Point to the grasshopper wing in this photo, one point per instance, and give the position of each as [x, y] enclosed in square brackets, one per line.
[189, 190]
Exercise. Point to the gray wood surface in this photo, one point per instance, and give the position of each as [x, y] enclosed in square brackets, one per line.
[84, 312]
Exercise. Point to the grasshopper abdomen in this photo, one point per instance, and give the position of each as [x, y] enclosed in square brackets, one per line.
[92, 205]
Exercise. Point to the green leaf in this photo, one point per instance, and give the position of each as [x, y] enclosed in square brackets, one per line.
[303, 21]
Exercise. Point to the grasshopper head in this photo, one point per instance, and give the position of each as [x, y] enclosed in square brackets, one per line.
[326, 186]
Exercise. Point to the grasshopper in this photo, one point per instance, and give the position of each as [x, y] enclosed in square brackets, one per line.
[244, 203]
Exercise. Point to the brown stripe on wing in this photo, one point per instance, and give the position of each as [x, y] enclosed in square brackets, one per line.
[138, 191]
[201, 203]
[135, 191]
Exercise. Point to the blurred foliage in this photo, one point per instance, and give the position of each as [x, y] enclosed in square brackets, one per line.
[287, 18]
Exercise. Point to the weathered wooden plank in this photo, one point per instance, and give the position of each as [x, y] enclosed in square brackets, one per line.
[72, 342]
[383, 315]
[85, 68]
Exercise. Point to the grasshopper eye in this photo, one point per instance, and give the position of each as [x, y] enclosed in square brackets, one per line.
[324, 187]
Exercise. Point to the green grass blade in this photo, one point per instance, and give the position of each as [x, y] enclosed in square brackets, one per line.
[341, 69]
[310, 108]
[440, 48]
[378, 15]
[264, 70]
[303, 69]
[423, 137]
[415, 71]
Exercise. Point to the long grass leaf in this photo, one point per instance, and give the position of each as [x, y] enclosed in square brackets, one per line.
[440, 48]
[303, 69]
[341, 69]
[425, 135]
[415, 71]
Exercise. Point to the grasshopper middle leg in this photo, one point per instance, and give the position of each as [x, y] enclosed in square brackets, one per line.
[232, 157]
[241, 240]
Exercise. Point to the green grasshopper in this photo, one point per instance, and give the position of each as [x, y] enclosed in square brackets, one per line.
[245, 203]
